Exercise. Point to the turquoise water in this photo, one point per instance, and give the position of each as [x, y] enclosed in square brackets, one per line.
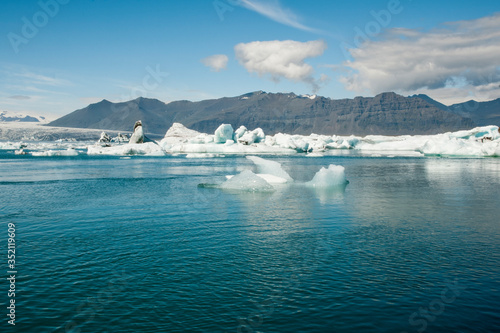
[106, 244]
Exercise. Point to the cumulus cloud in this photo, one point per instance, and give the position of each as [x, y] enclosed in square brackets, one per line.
[274, 11]
[216, 62]
[281, 59]
[460, 56]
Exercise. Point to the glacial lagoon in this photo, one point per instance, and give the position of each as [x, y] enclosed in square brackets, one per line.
[133, 243]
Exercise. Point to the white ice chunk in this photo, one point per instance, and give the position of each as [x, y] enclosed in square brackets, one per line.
[271, 179]
[247, 181]
[255, 136]
[314, 155]
[331, 177]
[296, 142]
[460, 147]
[104, 138]
[242, 130]
[50, 153]
[270, 167]
[20, 152]
[481, 141]
[203, 155]
[148, 148]
[223, 133]
[178, 130]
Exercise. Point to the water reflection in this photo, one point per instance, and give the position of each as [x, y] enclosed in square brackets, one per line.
[328, 195]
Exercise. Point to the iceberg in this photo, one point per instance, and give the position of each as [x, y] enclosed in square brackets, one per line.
[138, 136]
[242, 130]
[270, 168]
[148, 149]
[51, 153]
[481, 141]
[271, 179]
[332, 177]
[20, 152]
[327, 182]
[249, 137]
[294, 142]
[223, 133]
[105, 138]
[247, 181]
[477, 142]
[121, 138]
[138, 144]
[177, 130]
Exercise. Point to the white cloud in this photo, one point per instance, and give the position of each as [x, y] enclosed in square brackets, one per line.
[273, 10]
[281, 59]
[40, 79]
[216, 62]
[458, 57]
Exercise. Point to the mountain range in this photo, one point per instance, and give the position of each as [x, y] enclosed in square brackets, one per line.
[6, 116]
[384, 114]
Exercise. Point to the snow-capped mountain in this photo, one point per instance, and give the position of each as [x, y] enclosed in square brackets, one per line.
[7, 116]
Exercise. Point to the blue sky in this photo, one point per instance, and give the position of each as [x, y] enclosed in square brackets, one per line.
[61, 55]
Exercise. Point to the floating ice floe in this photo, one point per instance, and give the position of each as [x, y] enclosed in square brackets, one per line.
[51, 153]
[20, 152]
[195, 155]
[138, 144]
[273, 176]
[148, 149]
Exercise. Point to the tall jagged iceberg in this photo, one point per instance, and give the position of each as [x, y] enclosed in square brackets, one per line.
[138, 136]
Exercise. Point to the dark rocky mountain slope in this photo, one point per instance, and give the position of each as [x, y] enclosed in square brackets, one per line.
[386, 114]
